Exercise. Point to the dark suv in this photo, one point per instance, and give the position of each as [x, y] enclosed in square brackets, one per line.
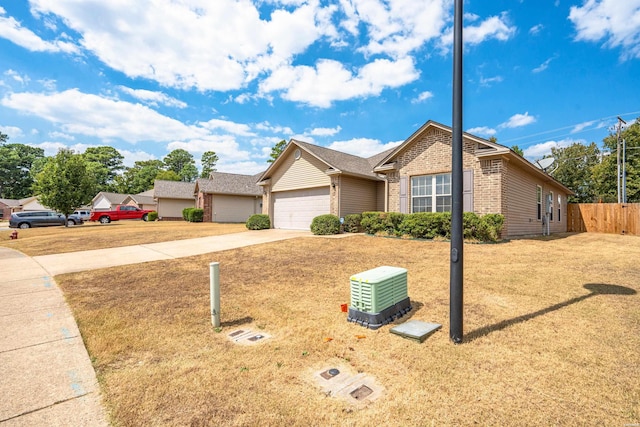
[41, 219]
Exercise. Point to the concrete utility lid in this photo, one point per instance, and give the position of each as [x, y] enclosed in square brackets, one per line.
[338, 381]
[247, 336]
[415, 329]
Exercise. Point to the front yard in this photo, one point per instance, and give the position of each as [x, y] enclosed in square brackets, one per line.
[552, 335]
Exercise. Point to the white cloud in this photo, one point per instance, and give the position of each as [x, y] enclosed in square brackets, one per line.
[130, 157]
[280, 130]
[482, 131]
[616, 22]
[152, 97]
[51, 148]
[12, 30]
[330, 81]
[494, 27]
[14, 75]
[225, 147]
[518, 120]
[581, 126]
[11, 131]
[541, 150]
[488, 81]
[536, 29]
[228, 126]
[422, 97]
[61, 135]
[363, 147]
[542, 66]
[75, 112]
[325, 131]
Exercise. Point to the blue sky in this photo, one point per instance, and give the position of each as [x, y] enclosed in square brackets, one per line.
[237, 76]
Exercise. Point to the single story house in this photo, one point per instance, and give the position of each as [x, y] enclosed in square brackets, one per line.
[228, 197]
[307, 180]
[106, 201]
[172, 197]
[9, 206]
[142, 200]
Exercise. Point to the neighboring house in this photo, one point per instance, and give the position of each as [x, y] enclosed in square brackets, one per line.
[105, 201]
[143, 200]
[172, 197]
[9, 206]
[307, 180]
[228, 197]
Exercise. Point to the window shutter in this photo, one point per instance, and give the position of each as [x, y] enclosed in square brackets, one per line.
[404, 208]
[467, 190]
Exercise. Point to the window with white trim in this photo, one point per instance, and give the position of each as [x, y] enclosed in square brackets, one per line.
[550, 205]
[539, 200]
[431, 193]
[559, 206]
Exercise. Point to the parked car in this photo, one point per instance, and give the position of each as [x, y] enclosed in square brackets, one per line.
[85, 214]
[120, 212]
[30, 219]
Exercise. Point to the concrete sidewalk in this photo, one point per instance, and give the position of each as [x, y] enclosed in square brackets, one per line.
[46, 377]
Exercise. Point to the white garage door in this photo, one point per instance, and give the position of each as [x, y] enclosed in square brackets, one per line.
[233, 208]
[296, 209]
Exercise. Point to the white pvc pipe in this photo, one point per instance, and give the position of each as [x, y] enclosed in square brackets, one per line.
[214, 286]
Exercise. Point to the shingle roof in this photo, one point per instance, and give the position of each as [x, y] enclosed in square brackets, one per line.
[346, 163]
[230, 183]
[173, 189]
[10, 202]
[143, 199]
[113, 198]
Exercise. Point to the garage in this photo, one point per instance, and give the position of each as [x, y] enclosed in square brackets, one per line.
[233, 208]
[296, 209]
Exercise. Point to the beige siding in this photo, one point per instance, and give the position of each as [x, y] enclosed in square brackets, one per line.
[305, 172]
[233, 208]
[521, 211]
[380, 197]
[357, 196]
[172, 208]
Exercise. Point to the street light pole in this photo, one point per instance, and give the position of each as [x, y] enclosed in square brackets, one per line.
[456, 256]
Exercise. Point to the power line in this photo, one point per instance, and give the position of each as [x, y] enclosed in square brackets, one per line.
[567, 127]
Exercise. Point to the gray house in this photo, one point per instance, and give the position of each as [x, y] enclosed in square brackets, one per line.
[228, 197]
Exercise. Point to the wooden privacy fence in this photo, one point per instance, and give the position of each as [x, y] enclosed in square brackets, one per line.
[614, 218]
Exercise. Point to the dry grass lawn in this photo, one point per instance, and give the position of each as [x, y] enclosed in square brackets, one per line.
[55, 240]
[552, 335]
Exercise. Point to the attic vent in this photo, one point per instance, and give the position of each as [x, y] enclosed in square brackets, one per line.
[296, 154]
[485, 164]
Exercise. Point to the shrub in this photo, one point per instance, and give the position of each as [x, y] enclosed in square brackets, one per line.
[325, 224]
[192, 214]
[420, 225]
[371, 222]
[470, 225]
[490, 227]
[258, 222]
[392, 221]
[352, 223]
[152, 216]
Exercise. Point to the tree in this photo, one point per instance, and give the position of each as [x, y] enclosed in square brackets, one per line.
[209, 160]
[181, 162]
[168, 176]
[575, 169]
[605, 173]
[276, 150]
[16, 161]
[140, 177]
[65, 182]
[517, 150]
[106, 163]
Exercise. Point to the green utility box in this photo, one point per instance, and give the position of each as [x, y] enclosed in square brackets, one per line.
[378, 296]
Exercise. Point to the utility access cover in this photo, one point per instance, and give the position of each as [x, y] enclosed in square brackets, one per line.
[416, 330]
[247, 336]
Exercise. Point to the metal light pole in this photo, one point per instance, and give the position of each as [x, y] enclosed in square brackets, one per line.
[456, 256]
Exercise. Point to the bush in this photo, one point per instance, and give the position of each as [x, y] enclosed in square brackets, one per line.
[371, 222]
[152, 216]
[470, 225]
[490, 227]
[192, 214]
[352, 223]
[392, 221]
[258, 222]
[325, 224]
[420, 225]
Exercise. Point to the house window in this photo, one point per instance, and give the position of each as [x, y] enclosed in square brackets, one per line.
[551, 206]
[431, 193]
[559, 206]
[539, 199]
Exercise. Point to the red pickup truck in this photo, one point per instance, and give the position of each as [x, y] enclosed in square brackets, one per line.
[121, 212]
